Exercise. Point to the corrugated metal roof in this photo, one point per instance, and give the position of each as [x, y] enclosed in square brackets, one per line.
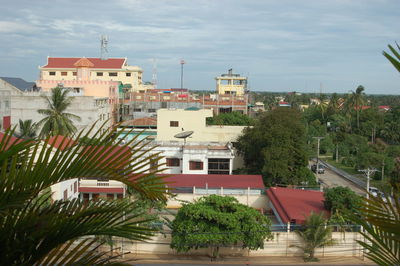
[19, 83]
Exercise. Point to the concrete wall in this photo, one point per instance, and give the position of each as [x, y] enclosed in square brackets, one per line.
[193, 121]
[281, 245]
[90, 109]
[67, 185]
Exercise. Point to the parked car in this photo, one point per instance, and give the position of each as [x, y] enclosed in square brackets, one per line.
[321, 168]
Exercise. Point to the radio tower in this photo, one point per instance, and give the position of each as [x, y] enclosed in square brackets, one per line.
[154, 78]
[103, 45]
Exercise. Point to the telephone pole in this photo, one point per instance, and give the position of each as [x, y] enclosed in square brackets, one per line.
[318, 140]
[368, 173]
[182, 63]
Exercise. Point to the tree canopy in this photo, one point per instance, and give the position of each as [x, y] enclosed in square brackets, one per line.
[216, 221]
[276, 148]
[341, 199]
[230, 119]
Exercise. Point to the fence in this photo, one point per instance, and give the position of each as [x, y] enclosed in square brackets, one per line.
[283, 244]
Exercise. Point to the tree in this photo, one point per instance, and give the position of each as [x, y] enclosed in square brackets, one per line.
[27, 129]
[34, 231]
[216, 221]
[57, 121]
[356, 100]
[231, 119]
[276, 148]
[396, 59]
[341, 199]
[314, 234]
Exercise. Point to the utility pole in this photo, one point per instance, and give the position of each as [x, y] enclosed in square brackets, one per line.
[318, 140]
[368, 173]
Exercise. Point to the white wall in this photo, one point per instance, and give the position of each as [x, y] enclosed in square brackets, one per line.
[67, 185]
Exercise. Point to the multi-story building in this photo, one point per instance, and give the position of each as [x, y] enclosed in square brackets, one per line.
[21, 100]
[231, 84]
[94, 71]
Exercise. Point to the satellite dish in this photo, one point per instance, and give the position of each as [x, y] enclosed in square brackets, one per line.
[183, 135]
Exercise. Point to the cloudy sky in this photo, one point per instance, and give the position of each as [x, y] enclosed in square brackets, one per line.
[281, 45]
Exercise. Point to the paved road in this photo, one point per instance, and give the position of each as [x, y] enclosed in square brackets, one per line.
[331, 179]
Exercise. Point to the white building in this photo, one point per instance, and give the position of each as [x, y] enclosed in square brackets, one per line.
[196, 158]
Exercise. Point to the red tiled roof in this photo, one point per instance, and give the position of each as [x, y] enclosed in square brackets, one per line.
[101, 190]
[144, 121]
[58, 142]
[215, 181]
[13, 140]
[68, 62]
[296, 204]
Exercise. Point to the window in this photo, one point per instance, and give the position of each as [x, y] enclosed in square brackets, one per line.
[193, 165]
[64, 73]
[151, 110]
[110, 196]
[154, 164]
[52, 73]
[173, 123]
[65, 194]
[75, 186]
[174, 162]
[137, 109]
[73, 73]
[99, 74]
[112, 74]
[218, 166]
[128, 74]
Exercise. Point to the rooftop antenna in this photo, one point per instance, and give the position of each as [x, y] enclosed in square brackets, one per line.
[103, 45]
[154, 78]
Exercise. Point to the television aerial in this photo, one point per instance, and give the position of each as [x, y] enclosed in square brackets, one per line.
[184, 135]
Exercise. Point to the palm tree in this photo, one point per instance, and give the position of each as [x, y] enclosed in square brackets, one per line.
[27, 129]
[356, 101]
[315, 234]
[36, 232]
[380, 218]
[57, 121]
[394, 60]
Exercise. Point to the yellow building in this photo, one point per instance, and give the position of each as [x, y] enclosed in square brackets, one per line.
[231, 84]
[92, 69]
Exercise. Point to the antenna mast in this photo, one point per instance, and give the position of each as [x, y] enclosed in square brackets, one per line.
[103, 45]
[154, 78]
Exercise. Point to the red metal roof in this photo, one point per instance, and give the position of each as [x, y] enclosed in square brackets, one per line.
[101, 190]
[144, 121]
[215, 181]
[294, 205]
[69, 62]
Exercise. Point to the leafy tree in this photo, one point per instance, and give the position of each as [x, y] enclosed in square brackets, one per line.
[276, 148]
[215, 221]
[341, 199]
[57, 120]
[34, 232]
[230, 119]
[27, 129]
[314, 234]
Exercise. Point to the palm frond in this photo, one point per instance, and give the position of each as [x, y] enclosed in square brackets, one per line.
[395, 60]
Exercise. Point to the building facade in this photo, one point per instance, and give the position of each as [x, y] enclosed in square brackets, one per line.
[231, 84]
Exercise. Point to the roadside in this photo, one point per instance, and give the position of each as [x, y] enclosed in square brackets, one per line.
[264, 260]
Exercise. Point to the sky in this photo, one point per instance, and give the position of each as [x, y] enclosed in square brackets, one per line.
[287, 45]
